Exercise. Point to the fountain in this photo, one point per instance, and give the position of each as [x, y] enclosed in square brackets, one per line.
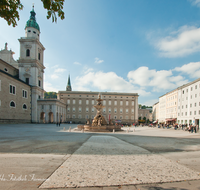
[99, 123]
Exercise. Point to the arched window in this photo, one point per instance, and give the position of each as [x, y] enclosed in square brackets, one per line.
[12, 104]
[27, 52]
[39, 56]
[24, 106]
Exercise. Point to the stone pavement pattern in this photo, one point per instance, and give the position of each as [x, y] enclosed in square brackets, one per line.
[106, 160]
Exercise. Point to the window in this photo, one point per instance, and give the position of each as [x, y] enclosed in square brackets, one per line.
[185, 106]
[187, 90]
[109, 102]
[80, 109]
[104, 102]
[115, 102]
[195, 86]
[186, 98]
[0, 102]
[68, 109]
[27, 53]
[50, 107]
[5, 69]
[92, 109]
[12, 104]
[195, 95]
[87, 102]
[34, 32]
[104, 110]
[195, 104]
[132, 103]
[79, 116]
[121, 110]
[183, 91]
[126, 117]
[24, 93]
[39, 83]
[92, 102]
[121, 117]
[80, 101]
[74, 101]
[27, 80]
[73, 109]
[121, 103]
[87, 116]
[73, 116]
[0, 85]
[132, 110]
[12, 89]
[115, 117]
[190, 105]
[87, 109]
[29, 31]
[195, 112]
[39, 56]
[68, 101]
[190, 113]
[115, 110]
[185, 113]
[191, 88]
[126, 103]
[24, 107]
[126, 110]
[109, 110]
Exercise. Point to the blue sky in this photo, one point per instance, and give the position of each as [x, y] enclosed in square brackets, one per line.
[148, 47]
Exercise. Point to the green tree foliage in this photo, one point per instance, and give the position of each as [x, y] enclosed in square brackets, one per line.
[144, 118]
[48, 95]
[9, 10]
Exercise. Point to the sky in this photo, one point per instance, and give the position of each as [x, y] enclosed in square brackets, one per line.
[149, 47]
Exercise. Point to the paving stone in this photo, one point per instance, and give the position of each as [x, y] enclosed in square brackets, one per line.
[108, 161]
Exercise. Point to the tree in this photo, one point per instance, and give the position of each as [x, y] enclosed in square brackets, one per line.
[48, 95]
[9, 10]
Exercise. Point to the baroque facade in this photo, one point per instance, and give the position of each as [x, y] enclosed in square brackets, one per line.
[21, 82]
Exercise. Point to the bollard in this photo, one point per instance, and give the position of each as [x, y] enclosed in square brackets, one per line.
[70, 129]
[63, 128]
[113, 130]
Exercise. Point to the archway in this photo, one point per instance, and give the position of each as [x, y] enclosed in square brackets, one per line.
[50, 117]
[42, 117]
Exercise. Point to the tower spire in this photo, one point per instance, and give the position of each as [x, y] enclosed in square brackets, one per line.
[69, 88]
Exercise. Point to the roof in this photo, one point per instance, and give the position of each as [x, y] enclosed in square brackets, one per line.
[32, 21]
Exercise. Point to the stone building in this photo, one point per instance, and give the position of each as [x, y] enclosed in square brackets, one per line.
[21, 82]
[119, 107]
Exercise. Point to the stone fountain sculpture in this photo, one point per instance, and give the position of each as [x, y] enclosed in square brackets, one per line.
[99, 123]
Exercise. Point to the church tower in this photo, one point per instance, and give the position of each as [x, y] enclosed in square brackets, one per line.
[68, 88]
[31, 65]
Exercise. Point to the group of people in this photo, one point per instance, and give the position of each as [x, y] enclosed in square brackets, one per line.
[186, 127]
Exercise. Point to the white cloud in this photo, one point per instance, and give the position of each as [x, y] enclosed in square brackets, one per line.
[98, 61]
[60, 70]
[159, 80]
[195, 2]
[54, 76]
[48, 87]
[77, 63]
[150, 102]
[107, 82]
[180, 43]
[192, 69]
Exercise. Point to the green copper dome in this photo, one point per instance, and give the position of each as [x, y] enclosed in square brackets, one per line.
[32, 21]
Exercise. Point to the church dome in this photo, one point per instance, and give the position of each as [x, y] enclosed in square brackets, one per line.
[32, 21]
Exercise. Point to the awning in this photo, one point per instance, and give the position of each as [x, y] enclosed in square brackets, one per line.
[155, 121]
[171, 119]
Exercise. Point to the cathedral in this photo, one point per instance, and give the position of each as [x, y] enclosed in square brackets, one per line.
[21, 82]
[22, 92]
